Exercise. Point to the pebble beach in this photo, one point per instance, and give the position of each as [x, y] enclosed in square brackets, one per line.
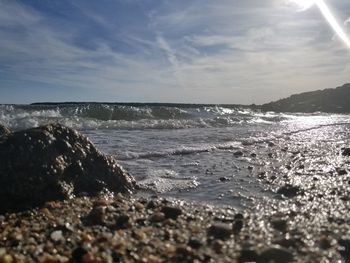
[306, 222]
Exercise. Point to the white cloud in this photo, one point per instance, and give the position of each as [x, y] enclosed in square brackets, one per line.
[271, 53]
[225, 52]
[171, 54]
[347, 21]
[47, 55]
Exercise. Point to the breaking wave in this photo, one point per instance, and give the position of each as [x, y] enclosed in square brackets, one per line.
[181, 151]
[114, 116]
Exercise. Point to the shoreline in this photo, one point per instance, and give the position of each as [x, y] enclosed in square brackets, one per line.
[124, 229]
[306, 221]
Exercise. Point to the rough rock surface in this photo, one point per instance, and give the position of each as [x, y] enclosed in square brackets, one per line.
[4, 130]
[54, 163]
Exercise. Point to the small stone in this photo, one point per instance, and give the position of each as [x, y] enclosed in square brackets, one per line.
[238, 154]
[253, 155]
[153, 259]
[276, 254]
[47, 259]
[279, 224]
[101, 202]
[80, 255]
[141, 221]
[324, 242]
[140, 234]
[171, 212]
[346, 152]
[86, 238]
[47, 213]
[273, 177]
[287, 242]
[289, 191]
[56, 235]
[220, 231]
[151, 205]
[237, 226]
[139, 206]
[341, 171]
[217, 246]
[248, 255]
[239, 216]
[119, 198]
[194, 243]
[262, 175]
[66, 227]
[224, 179]
[6, 258]
[88, 258]
[96, 216]
[157, 217]
[122, 222]
[170, 249]
[183, 250]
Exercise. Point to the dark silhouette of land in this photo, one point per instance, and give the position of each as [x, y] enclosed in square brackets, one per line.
[329, 100]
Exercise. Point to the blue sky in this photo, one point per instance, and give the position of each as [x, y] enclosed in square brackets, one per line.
[195, 51]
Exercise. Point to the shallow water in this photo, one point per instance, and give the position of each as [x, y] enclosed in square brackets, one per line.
[189, 152]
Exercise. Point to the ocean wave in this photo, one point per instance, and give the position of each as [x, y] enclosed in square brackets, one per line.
[184, 150]
[106, 112]
[103, 116]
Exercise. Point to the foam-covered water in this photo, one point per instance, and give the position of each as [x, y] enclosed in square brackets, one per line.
[185, 151]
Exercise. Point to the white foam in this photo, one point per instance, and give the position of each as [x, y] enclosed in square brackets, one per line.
[164, 180]
[183, 150]
[100, 116]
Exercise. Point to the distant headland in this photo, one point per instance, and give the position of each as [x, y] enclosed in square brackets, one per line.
[328, 100]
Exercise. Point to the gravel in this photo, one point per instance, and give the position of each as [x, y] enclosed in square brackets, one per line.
[307, 220]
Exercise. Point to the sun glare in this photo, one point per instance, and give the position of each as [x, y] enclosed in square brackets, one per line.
[326, 12]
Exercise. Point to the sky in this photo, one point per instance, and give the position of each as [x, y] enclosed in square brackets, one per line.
[186, 51]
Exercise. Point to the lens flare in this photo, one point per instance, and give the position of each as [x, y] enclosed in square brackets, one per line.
[326, 12]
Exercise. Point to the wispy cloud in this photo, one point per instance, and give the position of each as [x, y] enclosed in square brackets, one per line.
[171, 54]
[191, 51]
[347, 21]
[252, 60]
[43, 54]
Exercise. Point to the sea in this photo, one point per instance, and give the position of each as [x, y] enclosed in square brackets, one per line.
[211, 154]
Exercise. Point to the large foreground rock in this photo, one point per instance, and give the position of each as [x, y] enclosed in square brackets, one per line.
[54, 163]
